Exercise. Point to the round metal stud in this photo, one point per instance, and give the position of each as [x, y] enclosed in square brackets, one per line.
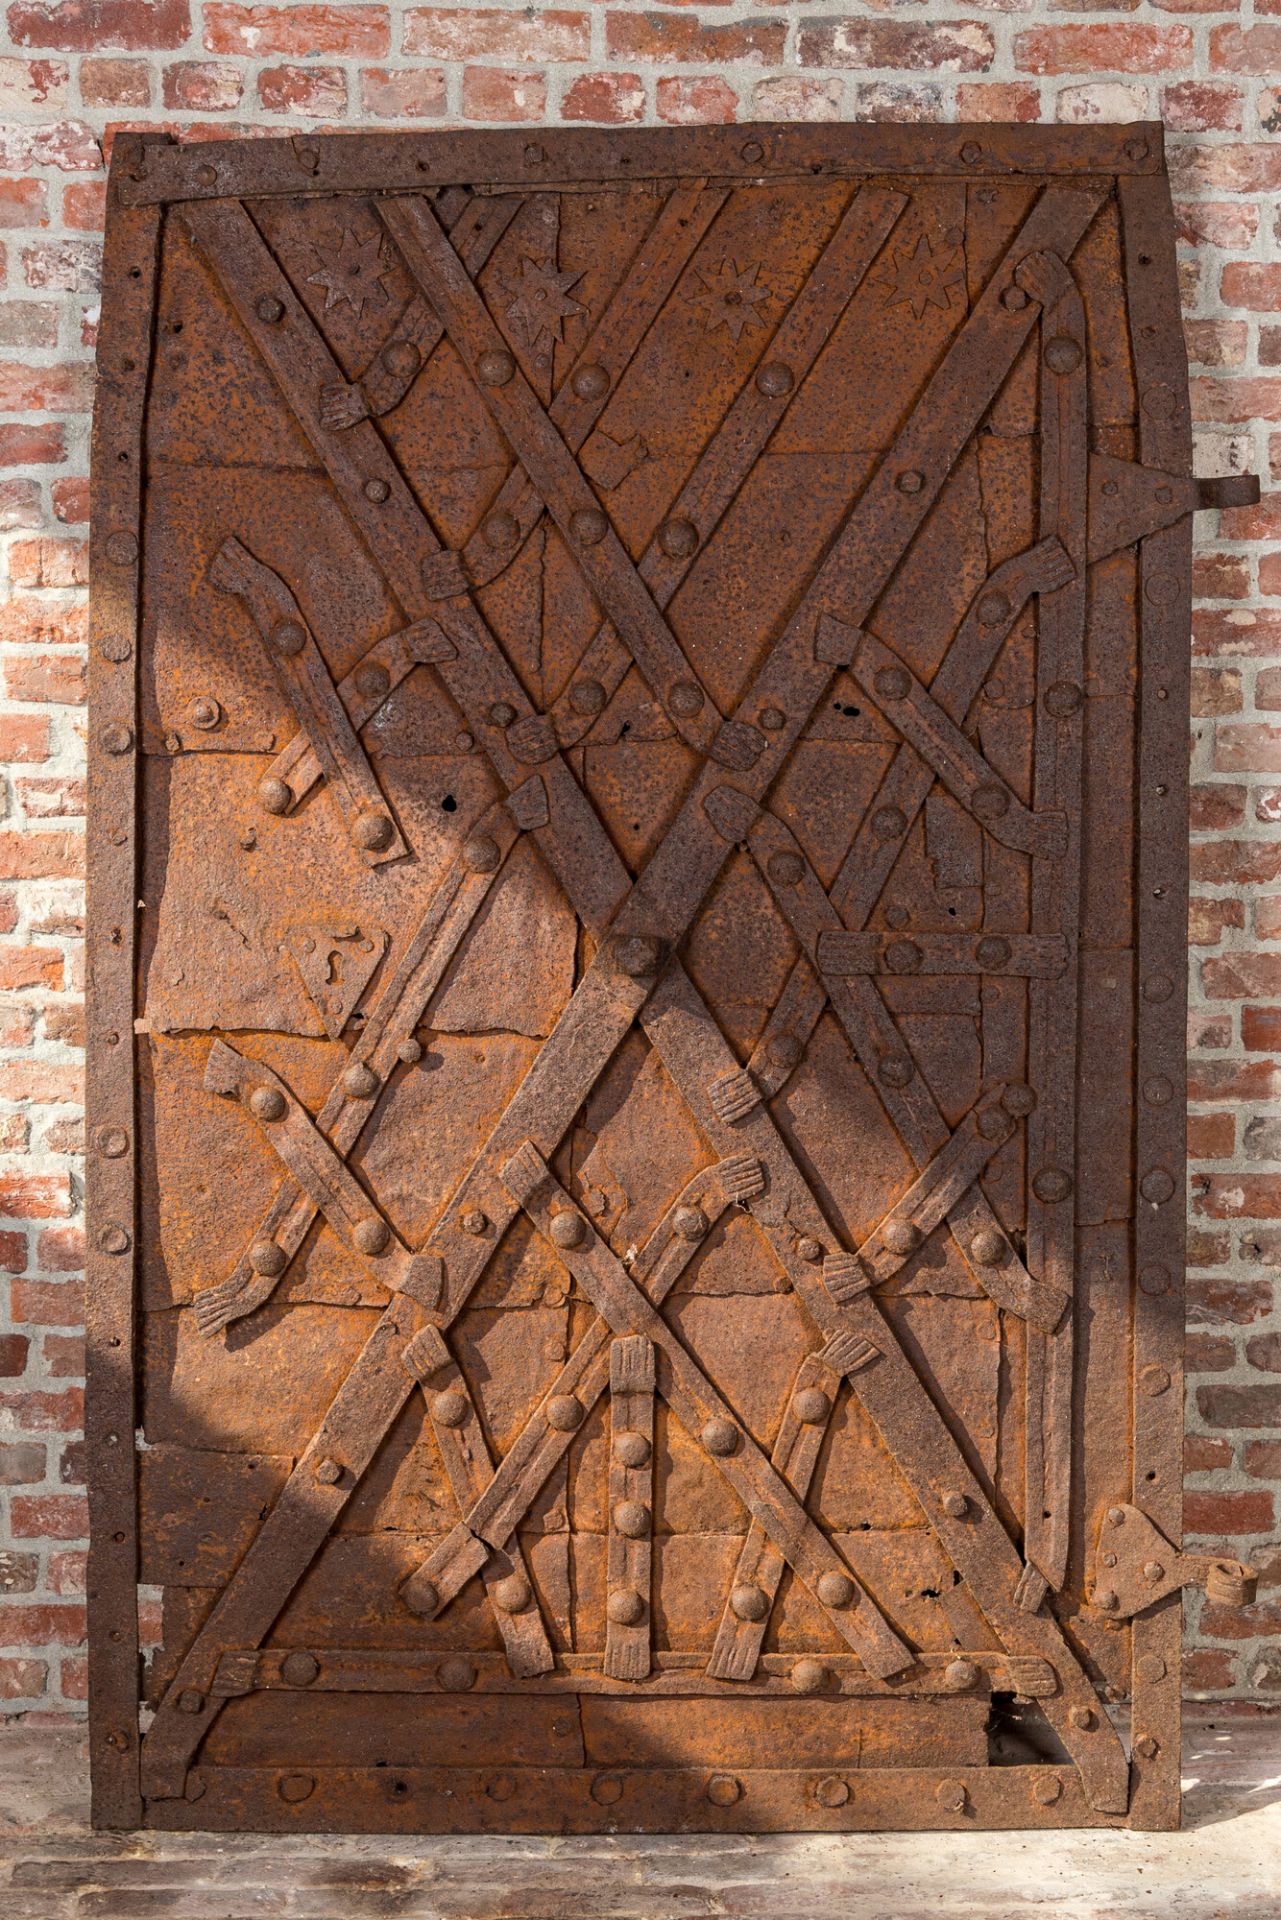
[955, 1505]
[951, 1795]
[723, 1790]
[691, 1223]
[402, 359]
[971, 153]
[749, 1602]
[1150, 1667]
[902, 956]
[376, 492]
[289, 637]
[607, 1789]
[811, 1406]
[901, 1236]
[720, 1437]
[372, 832]
[960, 1675]
[269, 309]
[892, 683]
[568, 1229]
[631, 1449]
[678, 538]
[113, 1238]
[685, 699]
[425, 1600]
[1082, 1717]
[513, 1593]
[991, 803]
[373, 680]
[116, 738]
[473, 1221]
[502, 531]
[992, 953]
[894, 1070]
[588, 526]
[1063, 699]
[910, 481]
[993, 608]
[587, 697]
[752, 152]
[328, 1472]
[449, 1409]
[888, 823]
[299, 1669]
[360, 1081]
[371, 1236]
[638, 955]
[1019, 1099]
[1157, 1090]
[1105, 1600]
[1062, 354]
[274, 795]
[410, 1051]
[564, 1412]
[785, 868]
[631, 1519]
[835, 1589]
[296, 1787]
[808, 1249]
[590, 383]
[1153, 1381]
[1047, 1789]
[480, 853]
[1154, 1280]
[625, 1607]
[784, 1051]
[267, 1258]
[775, 379]
[993, 1123]
[501, 1786]
[204, 712]
[268, 1103]
[832, 1792]
[989, 1247]
[1156, 1186]
[1051, 1184]
[456, 1674]
[112, 1142]
[808, 1676]
[116, 647]
[189, 1701]
[1146, 1747]
[1153, 1572]
[1136, 150]
[501, 714]
[1014, 299]
[772, 719]
[495, 367]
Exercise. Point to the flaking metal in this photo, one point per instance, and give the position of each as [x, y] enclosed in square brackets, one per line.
[615, 1116]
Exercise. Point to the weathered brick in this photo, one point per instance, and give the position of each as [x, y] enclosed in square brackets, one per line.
[33, 85]
[23, 203]
[359, 32]
[14, 1349]
[908, 103]
[1214, 1303]
[1208, 1353]
[1104, 46]
[1211, 1136]
[22, 446]
[1246, 49]
[415, 94]
[320, 92]
[203, 86]
[1215, 691]
[1262, 1459]
[34, 1196]
[1263, 1350]
[491, 94]
[22, 1463]
[1202, 106]
[1216, 223]
[1201, 1454]
[1241, 976]
[959, 46]
[1241, 1623]
[115, 83]
[792, 97]
[1106, 100]
[695, 102]
[49, 1516]
[478, 33]
[45, 1626]
[998, 100]
[1225, 1406]
[1207, 1670]
[21, 1678]
[675, 40]
[77, 26]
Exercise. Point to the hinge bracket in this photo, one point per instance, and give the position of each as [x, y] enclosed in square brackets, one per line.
[1135, 1565]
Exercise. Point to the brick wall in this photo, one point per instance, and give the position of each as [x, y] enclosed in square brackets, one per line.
[72, 70]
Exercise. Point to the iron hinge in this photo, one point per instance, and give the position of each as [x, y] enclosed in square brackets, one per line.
[1135, 1565]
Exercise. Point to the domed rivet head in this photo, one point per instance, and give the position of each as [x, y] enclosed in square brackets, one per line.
[685, 699]
[888, 823]
[1153, 1572]
[473, 1221]
[269, 309]
[772, 719]
[989, 1247]
[1153, 1381]
[894, 1070]
[752, 152]
[902, 956]
[808, 1676]
[1082, 1717]
[501, 1786]
[1063, 699]
[993, 608]
[971, 153]
[564, 1412]
[501, 714]
[690, 1223]
[372, 832]
[373, 680]
[568, 1229]
[678, 538]
[749, 1602]
[720, 1437]
[1047, 1789]
[1019, 1099]
[960, 1675]
[992, 953]
[456, 1675]
[299, 1669]
[116, 647]
[267, 1103]
[631, 1449]
[901, 1236]
[835, 1589]
[425, 1600]
[1014, 299]
[1116, 1516]
[1105, 1600]
[955, 1505]
[1051, 1184]
[206, 174]
[328, 1472]
[892, 683]
[121, 549]
[267, 1258]
[204, 712]
[808, 1249]
[590, 383]
[495, 367]
[1150, 1667]
[1158, 987]
[116, 738]
[951, 1795]
[410, 1051]
[480, 853]
[993, 1123]
[535, 155]
[189, 1701]
[991, 803]
[402, 359]
[376, 492]
[371, 1236]
[1157, 1090]
[274, 795]
[1062, 354]
[113, 1238]
[625, 1607]
[811, 1406]
[289, 636]
[588, 526]
[775, 379]
[832, 1792]
[1146, 1747]
[638, 955]
[785, 868]
[586, 697]
[449, 1409]
[784, 1051]
[723, 1790]
[1156, 1186]
[296, 1787]
[1154, 1280]
[910, 481]
[360, 1081]
[606, 1789]
[631, 1519]
[513, 1593]
[502, 531]
[1136, 150]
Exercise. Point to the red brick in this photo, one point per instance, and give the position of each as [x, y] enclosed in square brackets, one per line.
[1225, 862]
[1260, 522]
[1261, 1033]
[1215, 1303]
[67, 1570]
[48, 561]
[1202, 106]
[1209, 919]
[1211, 1136]
[1235, 402]
[15, 1133]
[31, 446]
[1267, 805]
[65, 1025]
[1215, 691]
[797, 97]
[24, 737]
[1207, 1669]
[22, 1463]
[34, 1196]
[1203, 1455]
[14, 1348]
[1225, 169]
[71, 500]
[1262, 1459]
[55, 1516]
[13, 1253]
[1246, 49]
[1112, 46]
[23, 203]
[28, 323]
[1242, 976]
[1238, 1196]
[1249, 748]
[605, 99]
[87, 26]
[1216, 223]
[1208, 1353]
[22, 968]
[202, 86]
[61, 1249]
[57, 677]
[490, 94]
[84, 205]
[115, 83]
[998, 100]
[74, 1674]
[64, 1356]
[45, 1626]
[69, 145]
[1220, 576]
[20, 1678]
[63, 266]
[60, 797]
[1270, 569]
[418, 94]
[1207, 1249]
[62, 389]
[29, 621]
[897, 101]
[358, 32]
[1216, 343]
[479, 33]
[676, 40]
[1267, 917]
[26, 85]
[1216, 807]
[47, 1303]
[1263, 1350]
[39, 1080]
[696, 102]
[1252, 285]
[960, 46]
[320, 92]
[1241, 1623]
[29, 1411]
[1226, 1513]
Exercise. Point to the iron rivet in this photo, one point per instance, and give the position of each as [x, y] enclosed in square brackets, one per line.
[1156, 1186]
[1158, 1090]
[564, 1412]
[1153, 1572]
[808, 1676]
[502, 714]
[204, 712]
[587, 697]
[1107, 1559]
[1136, 150]
[678, 538]
[116, 738]
[888, 823]
[1116, 1516]
[373, 680]
[534, 154]
[1146, 1747]
[955, 1505]
[295, 1787]
[496, 367]
[993, 608]
[269, 309]
[121, 549]
[784, 1051]
[1013, 299]
[690, 1223]
[328, 1472]
[449, 1408]
[625, 1607]
[808, 1249]
[832, 1792]
[835, 1589]
[1019, 1099]
[749, 1602]
[894, 1070]
[372, 832]
[1154, 1381]
[113, 1238]
[910, 480]
[206, 175]
[992, 953]
[903, 956]
[190, 1701]
[590, 383]
[1158, 987]
[502, 531]
[775, 379]
[360, 1080]
[685, 699]
[631, 1449]
[1105, 1600]
[989, 1247]
[892, 683]
[568, 1229]
[501, 1787]
[588, 526]
[1051, 1184]
[772, 719]
[811, 1406]
[971, 153]
[267, 1103]
[116, 647]
[638, 955]
[607, 1788]
[901, 1236]
[402, 359]
[377, 491]
[267, 1258]
[1082, 1717]
[481, 853]
[112, 1142]
[1046, 1791]
[990, 803]
[1150, 1667]
[473, 1221]
[1154, 1280]
[951, 1794]
[1063, 699]
[371, 1236]
[289, 637]
[513, 1593]
[173, 744]
[410, 1051]
[723, 1790]
[752, 151]
[785, 868]
[456, 1675]
[960, 1675]
[1062, 354]
[631, 1519]
[299, 1669]
[275, 795]
[720, 1436]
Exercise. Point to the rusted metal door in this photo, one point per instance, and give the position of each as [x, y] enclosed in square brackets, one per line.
[636, 1143]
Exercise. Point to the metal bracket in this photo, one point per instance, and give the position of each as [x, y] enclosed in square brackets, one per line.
[1135, 1565]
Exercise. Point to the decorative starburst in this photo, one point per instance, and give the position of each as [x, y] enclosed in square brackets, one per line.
[922, 278]
[352, 271]
[730, 296]
[540, 302]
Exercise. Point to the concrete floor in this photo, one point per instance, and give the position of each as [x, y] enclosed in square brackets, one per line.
[1225, 1865]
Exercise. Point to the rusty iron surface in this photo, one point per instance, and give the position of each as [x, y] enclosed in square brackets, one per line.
[636, 1147]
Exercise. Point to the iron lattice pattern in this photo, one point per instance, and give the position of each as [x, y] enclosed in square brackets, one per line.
[616, 757]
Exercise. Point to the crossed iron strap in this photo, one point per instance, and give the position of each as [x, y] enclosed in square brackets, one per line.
[636, 927]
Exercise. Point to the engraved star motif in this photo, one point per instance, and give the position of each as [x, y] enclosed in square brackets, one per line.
[540, 301]
[351, 271]
[922, 279]
[730, 296]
